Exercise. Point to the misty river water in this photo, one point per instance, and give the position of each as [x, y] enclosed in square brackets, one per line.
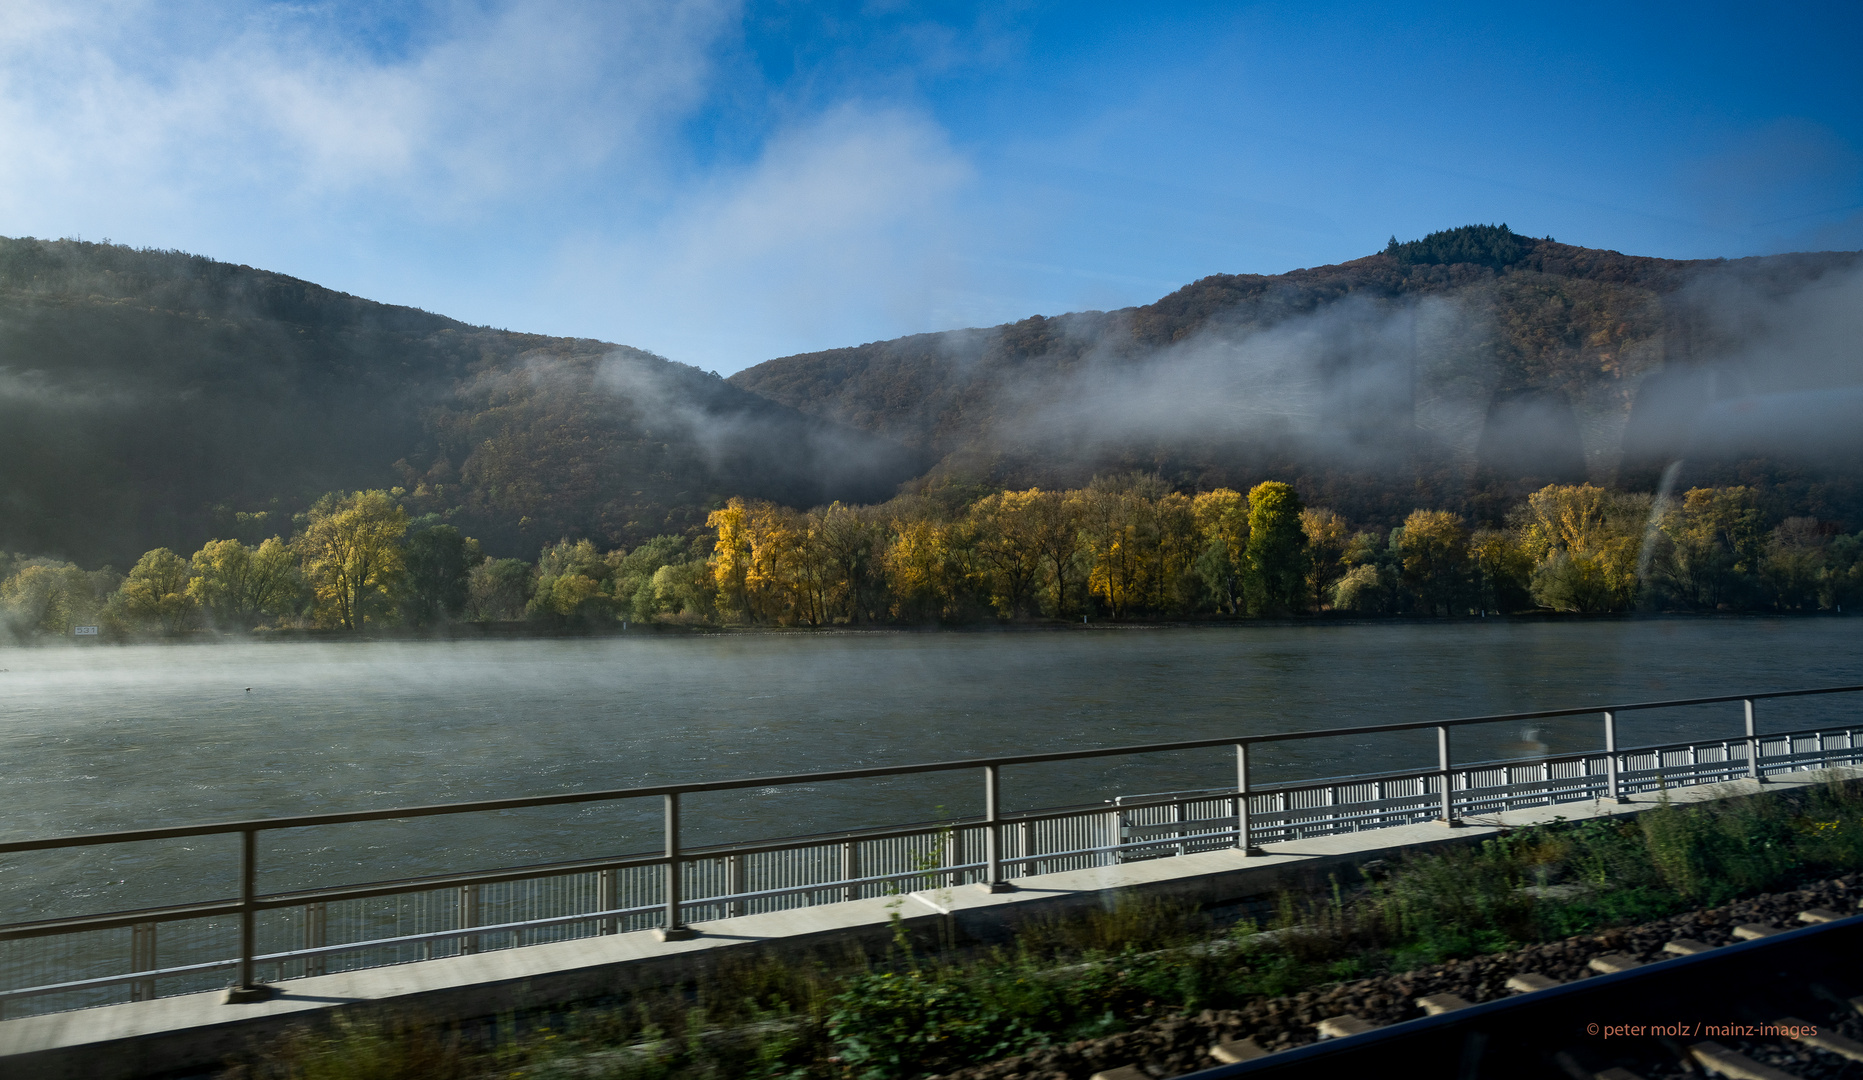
[105, 738]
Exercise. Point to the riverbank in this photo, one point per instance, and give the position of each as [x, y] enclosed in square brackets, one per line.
[534, 631]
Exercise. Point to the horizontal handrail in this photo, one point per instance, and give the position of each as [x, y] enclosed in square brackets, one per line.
[699, 787]
[372, 889]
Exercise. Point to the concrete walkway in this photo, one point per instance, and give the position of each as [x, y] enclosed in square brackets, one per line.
[198, 1031]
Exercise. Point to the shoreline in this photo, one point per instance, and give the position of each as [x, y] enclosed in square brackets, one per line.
[526, 631]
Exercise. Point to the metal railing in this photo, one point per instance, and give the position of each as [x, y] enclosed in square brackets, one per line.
[291, 934]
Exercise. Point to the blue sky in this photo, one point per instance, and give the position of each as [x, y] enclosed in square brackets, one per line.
[723, 183]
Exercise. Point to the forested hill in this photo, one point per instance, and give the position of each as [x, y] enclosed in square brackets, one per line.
[152, 398]
[1462, 369]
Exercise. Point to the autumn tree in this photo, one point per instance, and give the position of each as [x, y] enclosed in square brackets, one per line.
[731, 555]
[1055, 531]
[1115, 535]
[852, 541]
[1434, 550]
[156, 591]
[1222, 526]
[1584, 542]
[1715, 543]
[1500, 571]
[1277, 549]
[1327, 536]
[351, 550]
[1007, 529]
[239, 585]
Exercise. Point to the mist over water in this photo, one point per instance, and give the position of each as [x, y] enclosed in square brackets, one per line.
[115, 738]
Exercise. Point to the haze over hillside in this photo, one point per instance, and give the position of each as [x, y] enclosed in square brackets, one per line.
[154, 398]
[1462, 369]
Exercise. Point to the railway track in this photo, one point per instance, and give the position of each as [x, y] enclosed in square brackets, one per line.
[1778, 1002]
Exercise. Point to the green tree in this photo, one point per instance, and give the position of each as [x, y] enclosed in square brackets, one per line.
[49, 597]
[351, 549]
[572, 583]
[439, 562]
[499, 590]
[1277, 549]
[1795, 564]
[156, 591]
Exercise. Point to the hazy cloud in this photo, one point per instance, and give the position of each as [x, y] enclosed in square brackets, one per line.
[849, 219]
[159, 103]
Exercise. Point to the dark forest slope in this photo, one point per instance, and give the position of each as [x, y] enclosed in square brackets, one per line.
[148, 397]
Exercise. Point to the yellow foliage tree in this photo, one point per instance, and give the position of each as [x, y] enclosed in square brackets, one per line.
[351, 550]
[156, 591]
[1584, 542]
[239, 585]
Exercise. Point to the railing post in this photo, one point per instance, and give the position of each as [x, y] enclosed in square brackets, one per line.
[142, 958]
[608, 898]
[850, 869]
[1243, 794]
[1613, 787]
[1753, 747]
[993, 833]
[675, 929]
[248, 989]
[316, 936]
[734, 883]
[468, 916]
[1448, 780]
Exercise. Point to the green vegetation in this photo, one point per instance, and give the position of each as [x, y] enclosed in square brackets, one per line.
[1481, 245]
[914, 1012]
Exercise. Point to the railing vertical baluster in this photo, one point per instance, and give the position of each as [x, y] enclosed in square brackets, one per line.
[675, 928]
[1613, 792]
[1448, 779]
[1025, 835]
[993, 880]
[1753, 747]
[850, 868]
[248, 989]
[734, 883]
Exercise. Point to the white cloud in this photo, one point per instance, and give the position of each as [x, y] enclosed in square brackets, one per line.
[846, 226]
[179, 108]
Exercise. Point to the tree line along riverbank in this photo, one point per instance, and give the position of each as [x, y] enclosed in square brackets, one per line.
[1125, 548]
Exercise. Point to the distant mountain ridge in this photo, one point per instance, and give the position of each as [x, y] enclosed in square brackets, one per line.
[150, 398]
[155, 398]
